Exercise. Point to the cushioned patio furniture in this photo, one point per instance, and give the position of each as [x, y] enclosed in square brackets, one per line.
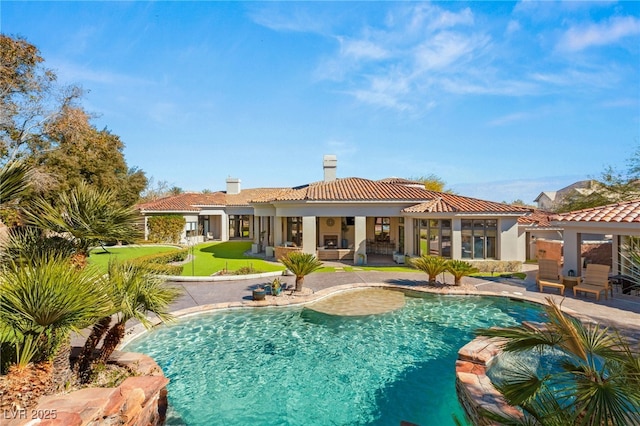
[549, 275]
[595, 280]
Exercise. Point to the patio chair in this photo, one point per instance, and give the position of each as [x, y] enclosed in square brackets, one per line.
[549, 275]
[595, 280]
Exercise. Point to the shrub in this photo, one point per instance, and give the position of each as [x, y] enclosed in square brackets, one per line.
[158, 262]
[165, 228]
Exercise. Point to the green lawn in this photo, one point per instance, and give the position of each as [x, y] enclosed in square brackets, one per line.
[229, 255]
[210, 258]
[100, 258]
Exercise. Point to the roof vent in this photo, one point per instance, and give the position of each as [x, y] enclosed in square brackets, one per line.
[329, 165]
[233, 185]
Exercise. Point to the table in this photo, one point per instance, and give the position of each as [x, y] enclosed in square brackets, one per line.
[570, 282]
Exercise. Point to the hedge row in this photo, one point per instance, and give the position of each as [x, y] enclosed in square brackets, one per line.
[497, 265]
[159, 262]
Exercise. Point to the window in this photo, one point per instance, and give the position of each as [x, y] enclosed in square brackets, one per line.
[191, 229]
[433, 236]
[294, 230]
[239, 226]
[478, 237]
[381, 229]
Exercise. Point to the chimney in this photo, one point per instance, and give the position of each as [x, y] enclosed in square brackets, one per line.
[329, 165]
[233, 185]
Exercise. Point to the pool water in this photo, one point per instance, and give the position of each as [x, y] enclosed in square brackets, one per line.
[295, 366]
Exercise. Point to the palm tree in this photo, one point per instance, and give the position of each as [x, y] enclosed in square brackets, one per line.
[135, 293]
[41, 303]
[597, 381]
[300, 264]
[459, 269]
[432, 265]
[90, 216]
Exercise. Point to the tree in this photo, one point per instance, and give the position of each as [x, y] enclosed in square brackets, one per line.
[612, 187]
[42, 124]
[86, 154]
[29, 99]
[89, 216]
[300, 264]
[596, 383]
[459, 269]
[432, 183]
[431, 265]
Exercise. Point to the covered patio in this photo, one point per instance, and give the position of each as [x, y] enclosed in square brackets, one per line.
[621, 221]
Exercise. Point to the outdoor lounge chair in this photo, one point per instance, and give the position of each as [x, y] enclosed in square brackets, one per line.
[549, 275]
[595, 280]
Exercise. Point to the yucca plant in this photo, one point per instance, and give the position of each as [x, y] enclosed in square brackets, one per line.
[459, 269]
[135, 293]
[597, 381]
[431, 265]
[41, 303]
[301, 264]
[14, 181]
[89, 216]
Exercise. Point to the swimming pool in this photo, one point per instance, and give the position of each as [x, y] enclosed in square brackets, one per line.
[295, 366]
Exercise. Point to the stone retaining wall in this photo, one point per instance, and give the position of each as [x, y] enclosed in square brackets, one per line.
[138, 401]
[476, 393]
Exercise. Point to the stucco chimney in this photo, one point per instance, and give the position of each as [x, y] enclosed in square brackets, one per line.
[233, 185]
[329, 165]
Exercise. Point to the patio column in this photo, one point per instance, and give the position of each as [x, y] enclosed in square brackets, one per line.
[277, 231]
[360, 237]
[571, 252]
[224, 227]
[309, 237]
[456, 238]
[408, 236]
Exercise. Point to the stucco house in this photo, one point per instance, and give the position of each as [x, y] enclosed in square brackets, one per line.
[350, 218]
[549, 200]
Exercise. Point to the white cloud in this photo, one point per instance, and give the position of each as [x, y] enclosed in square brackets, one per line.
[510, 118]
[361, 49]
[513, 26]
[582, 37]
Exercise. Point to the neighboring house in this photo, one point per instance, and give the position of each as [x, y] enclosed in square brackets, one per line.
[549, 200]
[349, 218]
[620, 220]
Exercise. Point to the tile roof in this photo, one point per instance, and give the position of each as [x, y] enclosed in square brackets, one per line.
[400, 181]
[625, 212]
[539, 218]
[194, 202]
[339, 190]
[359, 189]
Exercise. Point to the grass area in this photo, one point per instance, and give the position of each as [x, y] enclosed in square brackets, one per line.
[100, 258]
[210, 258]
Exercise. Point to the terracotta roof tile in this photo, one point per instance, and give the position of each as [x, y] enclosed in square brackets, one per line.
[538, 218]
[193, 202]
[625, 212]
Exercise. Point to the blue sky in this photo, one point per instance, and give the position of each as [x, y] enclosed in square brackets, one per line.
[502, 100]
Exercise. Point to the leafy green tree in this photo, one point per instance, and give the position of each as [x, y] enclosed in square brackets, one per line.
[86, 154]
[596, 383]
[300, 264]
[459, 269]
[27, 98]
[89, 216]
[432, 182]
[431, 265]
[41, 303]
